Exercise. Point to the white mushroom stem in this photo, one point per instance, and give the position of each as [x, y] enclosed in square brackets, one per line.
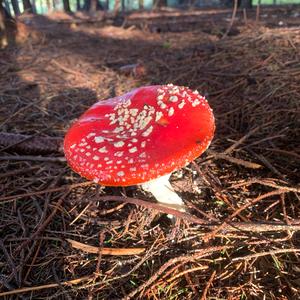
[164, 193]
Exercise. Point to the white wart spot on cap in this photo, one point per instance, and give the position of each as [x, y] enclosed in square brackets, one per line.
[119, 144]
[120, 173]
[133, 149]
[119, 153]
[158, 115]
[173, 99]
[171, 111]
[91, 135]
[147, 131]
[103, 150]
[181, 104]
[196, 102]
[118, 129]
[142, 155]
[99, 139]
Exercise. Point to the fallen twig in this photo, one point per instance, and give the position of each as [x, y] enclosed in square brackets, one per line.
[33, 158]
[273, 252]
[105, 251]
[227, 225]
[46, 286]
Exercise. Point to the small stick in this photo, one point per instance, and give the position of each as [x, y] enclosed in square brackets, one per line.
[241, 140]
[256, 255]
[226, 225]
[45, 286]
[211, 278]
[257, 13]
[270, 184]
[33, 158]
[239, 210]
[237, 161]
[245, 16]
[43, 225]
[172, 261]
[18, 172]
[232, 18]
[105, 251]
[51, 190]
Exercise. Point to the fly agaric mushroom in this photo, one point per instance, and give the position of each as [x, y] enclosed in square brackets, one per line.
[140, 138]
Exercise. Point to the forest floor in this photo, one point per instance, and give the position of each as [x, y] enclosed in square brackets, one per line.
[243, 240]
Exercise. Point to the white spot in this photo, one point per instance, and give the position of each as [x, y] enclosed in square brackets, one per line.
[143, 144]
[148, 131]
[133, 169]
[158, 115]
[133, 111]
[196, 102]
[130, 161]
[99, 165]
[88, 147]
[109, 162]
[144, 122]
[145, 166]
[88, 154]
[119, 162]
[134, 140]
[121, 173]
[181, 104]
[127, 103]
[73, 146]
[106, 158]
[103, 150]
[160, 97]
[96, 157]
[142, 155]
[90, 135]
[119, 153]
[162, 105]
[173, 99]
[133, 149]
[171, 111]
[82, 150]
[118, 129]
[119, 144]
[196, 92]
[99, 139]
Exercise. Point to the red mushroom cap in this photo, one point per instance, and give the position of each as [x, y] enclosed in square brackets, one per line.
[139, 136]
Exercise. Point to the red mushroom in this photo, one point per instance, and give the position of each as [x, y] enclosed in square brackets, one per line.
[140, 138]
